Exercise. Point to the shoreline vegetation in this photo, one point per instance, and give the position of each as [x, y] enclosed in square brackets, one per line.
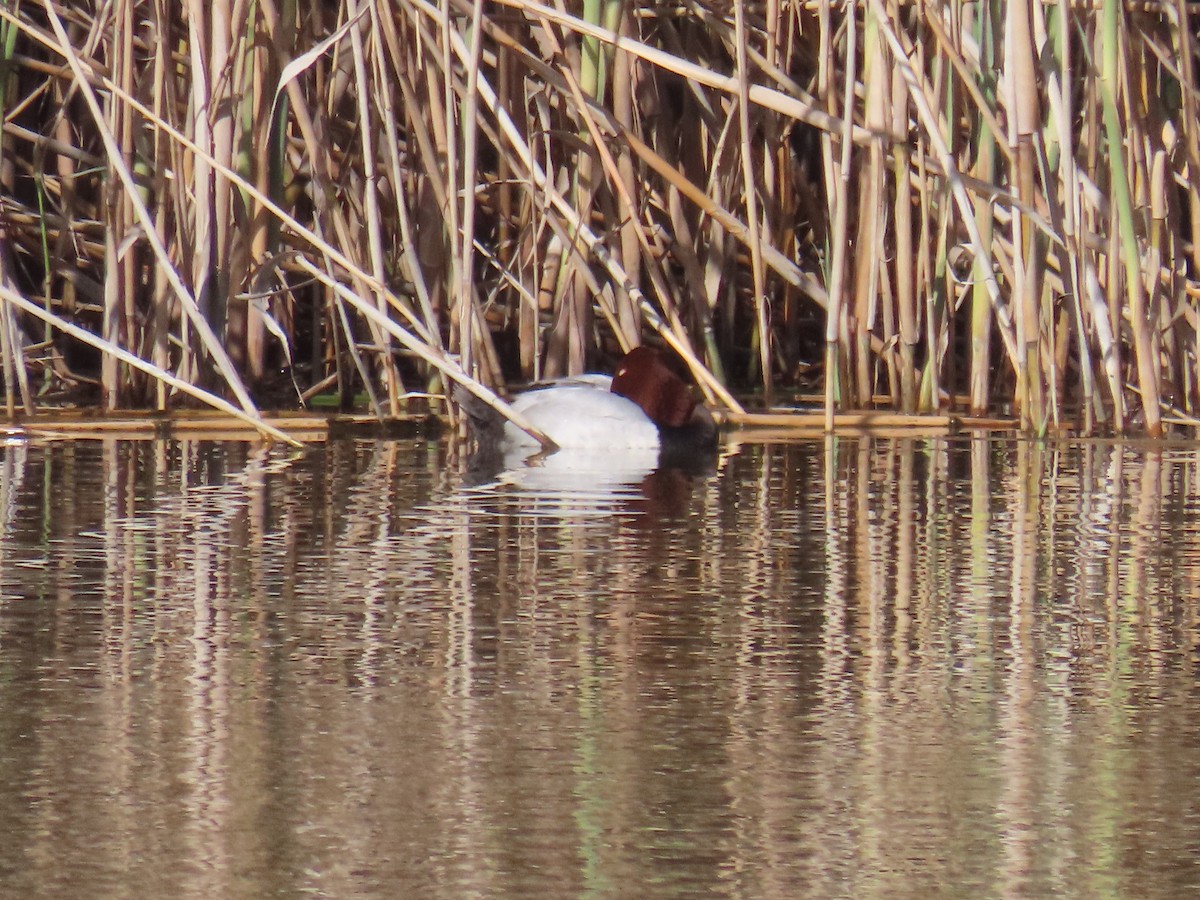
[974, 212]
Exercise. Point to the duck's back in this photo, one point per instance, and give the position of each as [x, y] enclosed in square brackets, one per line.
[582, 414]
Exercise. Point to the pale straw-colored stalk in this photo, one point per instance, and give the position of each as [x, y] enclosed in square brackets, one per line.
[370, 155]
[1024, 122]
[80, 334]
[750, 195]
[835, 325]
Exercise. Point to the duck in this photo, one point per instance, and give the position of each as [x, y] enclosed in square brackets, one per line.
[643, 405]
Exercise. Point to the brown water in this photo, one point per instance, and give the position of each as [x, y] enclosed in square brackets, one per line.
[862, 668]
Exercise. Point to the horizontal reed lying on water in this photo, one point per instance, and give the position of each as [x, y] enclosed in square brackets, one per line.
[255, 203]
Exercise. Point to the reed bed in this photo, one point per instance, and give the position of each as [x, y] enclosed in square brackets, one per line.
[253, 204]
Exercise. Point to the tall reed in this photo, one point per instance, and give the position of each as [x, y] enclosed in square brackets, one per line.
[974, 207]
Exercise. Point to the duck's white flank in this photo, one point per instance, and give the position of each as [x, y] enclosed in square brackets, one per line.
[579, 413]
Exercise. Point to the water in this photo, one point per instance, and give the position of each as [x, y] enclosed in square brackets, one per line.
[861, 668]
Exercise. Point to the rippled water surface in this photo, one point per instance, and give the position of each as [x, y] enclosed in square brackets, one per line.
[856, 668]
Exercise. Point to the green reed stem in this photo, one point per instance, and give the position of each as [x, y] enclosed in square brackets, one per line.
[1109, 79]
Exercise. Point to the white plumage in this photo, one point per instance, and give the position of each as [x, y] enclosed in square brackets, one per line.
[582, 413]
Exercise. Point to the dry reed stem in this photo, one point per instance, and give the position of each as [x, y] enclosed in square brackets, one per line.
[209, 339]
[252, 419]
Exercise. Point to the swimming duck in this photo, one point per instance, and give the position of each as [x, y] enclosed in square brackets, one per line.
[645, 404]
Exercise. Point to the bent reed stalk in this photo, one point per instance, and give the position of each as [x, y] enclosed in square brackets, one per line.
[964, 208]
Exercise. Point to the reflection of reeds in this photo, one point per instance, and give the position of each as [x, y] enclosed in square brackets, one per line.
[867, 662]
[386, 199]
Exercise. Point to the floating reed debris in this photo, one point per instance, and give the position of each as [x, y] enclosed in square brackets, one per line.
[895, 422]
[211, 426]
[242, 204]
